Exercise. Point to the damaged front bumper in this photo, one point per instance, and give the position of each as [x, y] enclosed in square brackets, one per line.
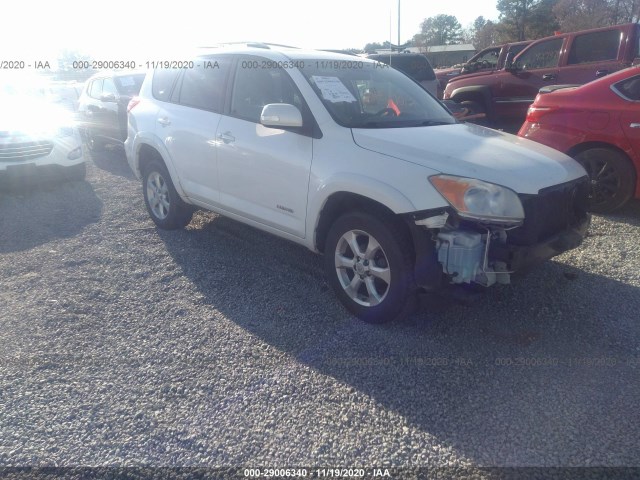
[519, 258]
[451, 250]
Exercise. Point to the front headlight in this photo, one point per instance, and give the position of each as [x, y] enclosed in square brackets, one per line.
[478, 200]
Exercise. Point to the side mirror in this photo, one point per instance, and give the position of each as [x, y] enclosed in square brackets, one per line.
[279, 115]
[469, 67]
[108, 97]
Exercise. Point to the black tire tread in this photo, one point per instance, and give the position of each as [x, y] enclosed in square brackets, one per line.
[180, 213]
[627, 174]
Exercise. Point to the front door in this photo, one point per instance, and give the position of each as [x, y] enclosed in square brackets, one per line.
[263, 172]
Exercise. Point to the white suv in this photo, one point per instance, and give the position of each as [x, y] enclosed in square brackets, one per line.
[354, 160]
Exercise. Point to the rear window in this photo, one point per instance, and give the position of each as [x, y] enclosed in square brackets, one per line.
[416, 66]
[628, 89]
[163, 81]
[595, 47]
[129, 84]
[204, 87]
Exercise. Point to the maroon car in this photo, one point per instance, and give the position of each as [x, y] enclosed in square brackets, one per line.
[569, 58]
[488, 60]
[598, 124]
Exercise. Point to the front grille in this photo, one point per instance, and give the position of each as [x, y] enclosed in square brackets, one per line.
[17, 152]
[551, 211]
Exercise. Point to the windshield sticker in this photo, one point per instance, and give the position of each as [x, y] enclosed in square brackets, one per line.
[127, 81]
[333, 89]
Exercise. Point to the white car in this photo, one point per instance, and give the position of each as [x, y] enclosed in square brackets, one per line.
[37, 138]
[397, 195]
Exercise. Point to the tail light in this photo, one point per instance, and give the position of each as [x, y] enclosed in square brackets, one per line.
[132, 103]
[534, 114]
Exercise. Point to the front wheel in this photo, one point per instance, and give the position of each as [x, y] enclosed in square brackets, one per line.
[94, 145]
[612, 177]
[368, 262]
[166, 208]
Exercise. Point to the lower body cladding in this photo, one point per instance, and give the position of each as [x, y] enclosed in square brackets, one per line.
[466, 252]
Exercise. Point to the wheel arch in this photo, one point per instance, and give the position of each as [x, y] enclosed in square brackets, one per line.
[341, 202]
[146, 153]
[479, 94]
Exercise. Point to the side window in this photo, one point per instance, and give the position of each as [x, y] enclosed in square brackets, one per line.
[629, 89]
[490, 57]
[516, 49]
[595, 47]
[96, 88]
[162, 83]
[542, 55]
[203, 87]
[256, 87]
[109, 86]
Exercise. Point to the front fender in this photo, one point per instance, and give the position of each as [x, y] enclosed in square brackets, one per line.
[367, 187]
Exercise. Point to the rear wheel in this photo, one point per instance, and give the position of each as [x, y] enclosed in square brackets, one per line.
[368, 262]
[166, 208]
[612, 177]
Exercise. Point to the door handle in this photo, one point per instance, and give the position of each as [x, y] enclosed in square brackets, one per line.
[601, 73]
[634, 125]
[549, 76]
[164, 121]
[226, 137]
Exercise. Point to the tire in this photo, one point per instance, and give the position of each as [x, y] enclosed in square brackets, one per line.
[93, 144]
[613, 178]
[165, 207]
[376, 282]
[76, 173]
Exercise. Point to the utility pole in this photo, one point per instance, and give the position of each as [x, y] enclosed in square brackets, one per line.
[398, 23]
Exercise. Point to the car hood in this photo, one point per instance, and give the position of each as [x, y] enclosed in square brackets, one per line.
[463, 77]
[445, 72]
[469, 150]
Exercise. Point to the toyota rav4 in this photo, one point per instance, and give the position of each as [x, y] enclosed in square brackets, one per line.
[354, 160]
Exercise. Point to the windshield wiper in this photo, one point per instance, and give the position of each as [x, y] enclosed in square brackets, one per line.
[433, 123]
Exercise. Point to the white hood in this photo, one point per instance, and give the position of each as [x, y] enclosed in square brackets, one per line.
[472, 151]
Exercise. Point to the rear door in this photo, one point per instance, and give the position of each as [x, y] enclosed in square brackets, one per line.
[187, 123]
[92, 115]
[110, 110]
[592, 55]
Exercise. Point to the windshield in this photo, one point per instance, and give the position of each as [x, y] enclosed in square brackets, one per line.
[370, 94]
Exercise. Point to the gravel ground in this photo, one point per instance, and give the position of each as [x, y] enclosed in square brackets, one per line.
[220, 345]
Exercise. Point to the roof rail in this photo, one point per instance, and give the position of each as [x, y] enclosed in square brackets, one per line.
[265, 45]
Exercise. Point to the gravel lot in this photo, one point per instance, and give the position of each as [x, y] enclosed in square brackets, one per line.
[222, 346]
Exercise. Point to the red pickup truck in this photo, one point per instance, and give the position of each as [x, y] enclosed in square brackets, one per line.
[571, 58]
[488, 60]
